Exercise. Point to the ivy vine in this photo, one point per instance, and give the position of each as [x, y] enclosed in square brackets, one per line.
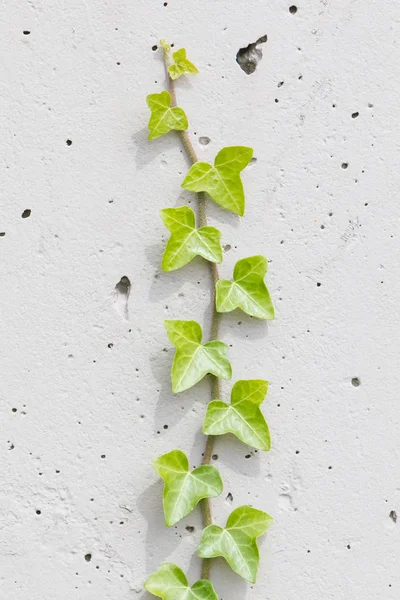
[193, 360]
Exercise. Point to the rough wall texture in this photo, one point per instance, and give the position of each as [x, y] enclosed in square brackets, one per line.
[85, 401]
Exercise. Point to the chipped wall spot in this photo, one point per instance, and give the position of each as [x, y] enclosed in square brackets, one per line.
[249, 57]
[393, 516]
[121, 296]
[204, 140]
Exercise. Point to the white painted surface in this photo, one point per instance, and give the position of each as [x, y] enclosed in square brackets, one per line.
[95, 219]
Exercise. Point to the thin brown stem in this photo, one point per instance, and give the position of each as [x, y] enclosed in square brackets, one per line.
[215, 382]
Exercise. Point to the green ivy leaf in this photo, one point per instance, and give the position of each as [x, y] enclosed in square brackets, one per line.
[186, 241]
[222, 181]
[181, 64]
[170, 583]
[163, 117]
[237, 542]
[242, 416]
[192, 360]
[183, 489]
[247, 290]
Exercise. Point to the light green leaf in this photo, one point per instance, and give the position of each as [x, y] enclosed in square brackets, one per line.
[192, 360]
[247, 290]
[222, 181]
[242, 416]
[186, 241]
[237, 542]
[170, 583]
[181, 64]
[184, 489]
[163, 117]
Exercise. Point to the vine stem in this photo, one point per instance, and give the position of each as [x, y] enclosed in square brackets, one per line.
[215, 383]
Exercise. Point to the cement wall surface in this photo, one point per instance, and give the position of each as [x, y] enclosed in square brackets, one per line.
[85, 396]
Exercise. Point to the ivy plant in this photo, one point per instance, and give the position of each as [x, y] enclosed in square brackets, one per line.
[237, 542]
[242, 416]
[170, 583]
[247, 290]
[194, 360]
[222, 181]
[184, 489]
[186, 241]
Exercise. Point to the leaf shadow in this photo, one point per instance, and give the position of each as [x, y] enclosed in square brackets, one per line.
[226, 582]
[160, 540]
[232, 453]
[148, 151]
[172, 408]
[242, 326]
[169, 285]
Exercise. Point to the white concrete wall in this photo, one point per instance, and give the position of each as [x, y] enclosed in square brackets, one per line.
[85, 395]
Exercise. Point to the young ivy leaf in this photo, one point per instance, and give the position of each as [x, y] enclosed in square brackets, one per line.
[181, 64]
[242, 416]
[170, 583]
[193, 360]
[186, 241]
[183, 489]
[222, 181]
[247, 290]
[163, 117]
[237, 542]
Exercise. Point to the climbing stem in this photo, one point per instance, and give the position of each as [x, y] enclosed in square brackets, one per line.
[215, 383]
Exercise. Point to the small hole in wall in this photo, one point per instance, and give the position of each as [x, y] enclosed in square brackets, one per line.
[26, 32]
[355, 382]
[345, 165]
[69, 142]
[354, 115]
[293, 9]
[249, 56]
[154, 48]
[189, 528]
[2, 233]
[215, 456]
[88, 557]
[204, 140]
[38, 512]
[123, 286]
[26, 213]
